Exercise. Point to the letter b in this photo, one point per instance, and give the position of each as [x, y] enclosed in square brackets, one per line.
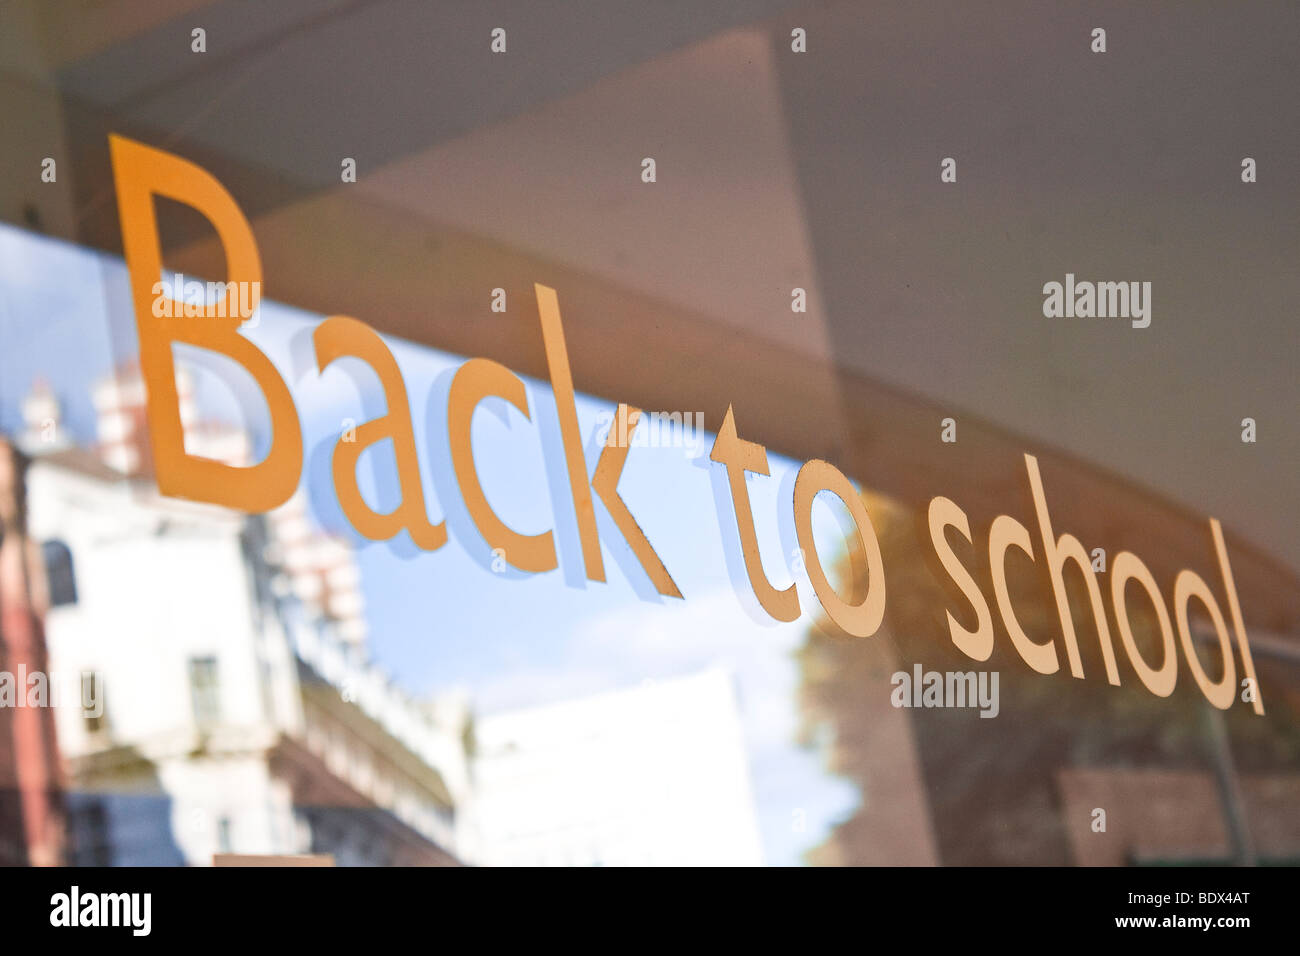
[140, 173]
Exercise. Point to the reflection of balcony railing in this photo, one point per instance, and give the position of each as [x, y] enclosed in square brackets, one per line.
[358, 681]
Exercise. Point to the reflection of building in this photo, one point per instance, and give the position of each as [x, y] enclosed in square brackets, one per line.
[1163, 817]
[651, 775]
[31, 814]
[238, 716]
[319, 569]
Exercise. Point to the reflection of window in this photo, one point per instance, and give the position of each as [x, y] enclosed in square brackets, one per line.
[204, 690]
[58, 572]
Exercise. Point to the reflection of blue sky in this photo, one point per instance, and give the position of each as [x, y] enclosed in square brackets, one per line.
[440, 619]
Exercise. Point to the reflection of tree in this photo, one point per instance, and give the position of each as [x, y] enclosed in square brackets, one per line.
[991, 785]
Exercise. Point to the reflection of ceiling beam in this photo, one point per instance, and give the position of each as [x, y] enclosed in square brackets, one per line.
[75, 30]
[286, 93]
[1266, 645]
